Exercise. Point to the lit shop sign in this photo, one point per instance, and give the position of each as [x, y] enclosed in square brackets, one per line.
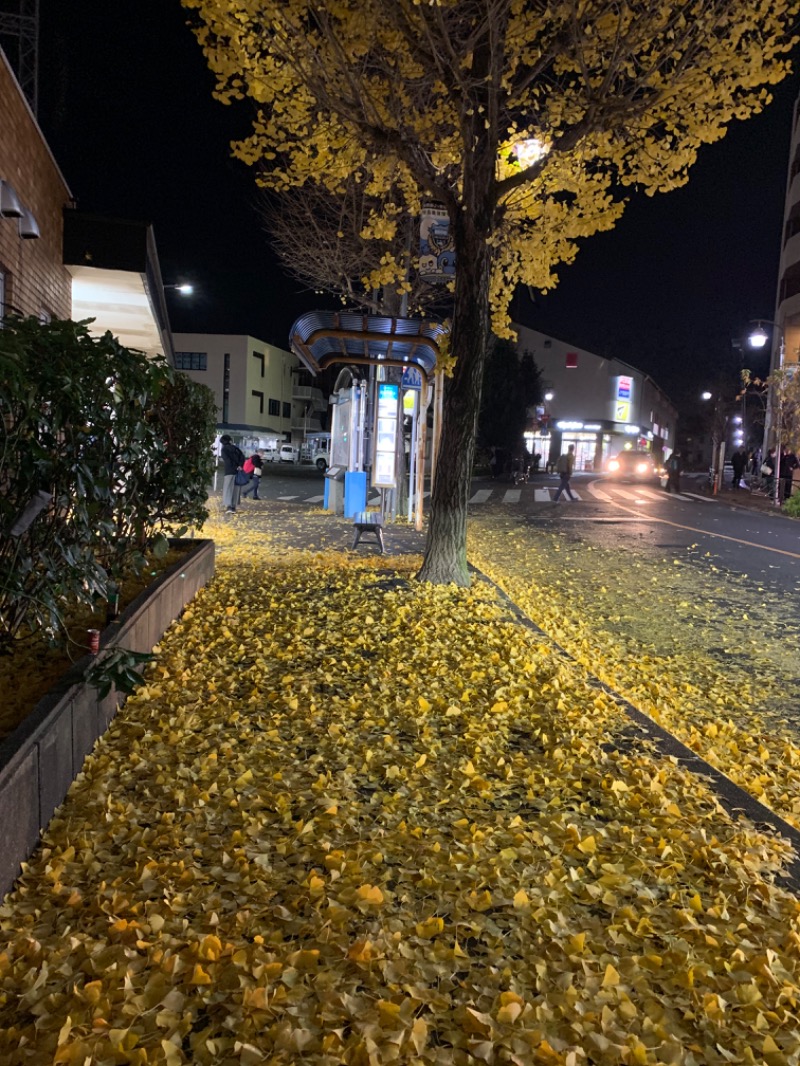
[623, 394]
[383, 474]
[632, 431]
[592, 427]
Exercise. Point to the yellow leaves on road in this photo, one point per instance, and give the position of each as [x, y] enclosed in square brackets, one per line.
[422, 839]
[724, 691]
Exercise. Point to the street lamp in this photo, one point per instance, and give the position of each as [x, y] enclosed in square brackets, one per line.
[757, 339]
[184, 289]
[719, 435]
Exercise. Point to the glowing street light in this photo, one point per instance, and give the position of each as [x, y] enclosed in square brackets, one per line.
[757, 339]
[184, 289]
[530, 151]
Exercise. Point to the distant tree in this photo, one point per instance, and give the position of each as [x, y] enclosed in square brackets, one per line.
[510, 387]
[527, 121]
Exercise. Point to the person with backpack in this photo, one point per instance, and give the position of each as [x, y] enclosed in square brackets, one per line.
[564, 467]
[233, 459]
[253, 467]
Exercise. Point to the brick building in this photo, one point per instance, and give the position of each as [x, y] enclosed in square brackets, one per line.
[33, 196]
[57, 262]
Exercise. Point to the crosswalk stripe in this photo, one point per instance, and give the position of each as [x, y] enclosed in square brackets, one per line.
[288, 497]
[481, 496]
[315, 499]
[512, 496]
[695, 496]
[541, 495]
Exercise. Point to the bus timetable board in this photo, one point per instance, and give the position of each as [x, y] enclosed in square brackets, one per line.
[383, 470]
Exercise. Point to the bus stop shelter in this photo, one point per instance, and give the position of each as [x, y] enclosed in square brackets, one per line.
[321, 339]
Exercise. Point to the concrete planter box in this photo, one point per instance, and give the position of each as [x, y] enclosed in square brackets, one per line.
[43, 756]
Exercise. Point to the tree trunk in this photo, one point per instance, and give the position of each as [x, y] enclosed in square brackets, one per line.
[446, 549]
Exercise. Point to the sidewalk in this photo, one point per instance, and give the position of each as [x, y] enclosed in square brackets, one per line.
[354, 820]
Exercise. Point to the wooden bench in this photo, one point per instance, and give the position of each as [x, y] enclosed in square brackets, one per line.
[368, 522]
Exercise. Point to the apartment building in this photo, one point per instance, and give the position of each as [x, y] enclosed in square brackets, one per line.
[263, 394]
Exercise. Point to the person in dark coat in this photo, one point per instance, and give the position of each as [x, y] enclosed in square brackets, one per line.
[233, 459]
[673, 473]
[788, 467]
[738, 462]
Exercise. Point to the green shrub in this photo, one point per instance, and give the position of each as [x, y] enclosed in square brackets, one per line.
[103, 452]
[792, 506]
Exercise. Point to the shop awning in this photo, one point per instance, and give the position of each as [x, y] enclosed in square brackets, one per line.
[321, 338]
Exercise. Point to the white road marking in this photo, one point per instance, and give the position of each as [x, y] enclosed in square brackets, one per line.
[481, 496]
[626, 494]
[314, 499]
[541, 495]
[512, 496]
[288, 497]
[695, 496]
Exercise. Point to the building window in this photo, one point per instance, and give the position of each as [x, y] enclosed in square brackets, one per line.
[287, 410]
[260, 397]
[191, 361]
[275, 408]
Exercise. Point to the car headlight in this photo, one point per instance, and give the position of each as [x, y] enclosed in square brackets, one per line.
[613, 465]
[642, 468]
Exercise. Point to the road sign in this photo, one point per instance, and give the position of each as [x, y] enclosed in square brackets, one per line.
[412, 378]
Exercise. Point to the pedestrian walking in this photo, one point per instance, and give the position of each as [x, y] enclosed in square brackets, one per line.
[564, 467]
[256, 462]
[674, 473]
[233, 458]
[738, 462]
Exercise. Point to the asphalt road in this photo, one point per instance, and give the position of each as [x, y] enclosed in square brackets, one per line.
[760, 544]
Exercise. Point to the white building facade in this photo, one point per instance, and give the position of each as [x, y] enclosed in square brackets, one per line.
[253, 383]
[787, 313]
[602, 406]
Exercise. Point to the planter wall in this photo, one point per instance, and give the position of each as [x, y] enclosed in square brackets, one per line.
[43, 756]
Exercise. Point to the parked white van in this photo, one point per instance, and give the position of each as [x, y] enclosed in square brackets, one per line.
[316, 451]
[289, 453]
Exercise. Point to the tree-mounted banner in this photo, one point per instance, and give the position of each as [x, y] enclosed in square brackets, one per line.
[437, 256]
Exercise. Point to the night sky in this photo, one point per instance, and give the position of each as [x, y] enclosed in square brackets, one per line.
[125, 102]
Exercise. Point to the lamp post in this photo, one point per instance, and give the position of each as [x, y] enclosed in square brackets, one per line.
[719, 427]
[758, 338]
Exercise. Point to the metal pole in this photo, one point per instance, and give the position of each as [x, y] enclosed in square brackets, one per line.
[776, 487]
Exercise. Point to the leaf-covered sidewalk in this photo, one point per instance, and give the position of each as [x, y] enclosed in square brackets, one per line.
[350, 819]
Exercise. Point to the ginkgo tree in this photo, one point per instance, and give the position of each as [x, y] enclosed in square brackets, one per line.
[528, 121]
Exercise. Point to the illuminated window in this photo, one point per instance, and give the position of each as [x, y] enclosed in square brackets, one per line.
[191, 361]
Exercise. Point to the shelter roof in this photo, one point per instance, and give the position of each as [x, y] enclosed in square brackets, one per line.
[322, 338]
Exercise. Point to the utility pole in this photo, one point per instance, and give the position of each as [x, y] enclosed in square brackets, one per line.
[23, 26]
